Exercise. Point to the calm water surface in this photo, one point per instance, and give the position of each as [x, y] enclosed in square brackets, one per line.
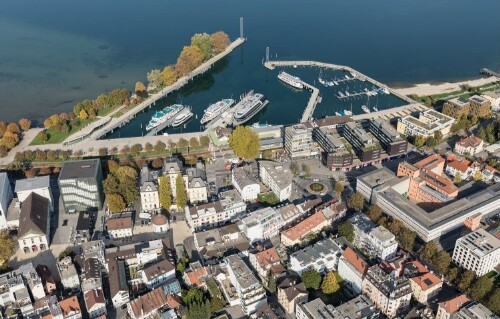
[56, 53]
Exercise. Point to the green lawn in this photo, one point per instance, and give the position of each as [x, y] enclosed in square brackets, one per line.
[268, 198]
[427, 100]
[58, 137]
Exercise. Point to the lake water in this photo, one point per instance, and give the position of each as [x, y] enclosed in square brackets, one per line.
[54, 54]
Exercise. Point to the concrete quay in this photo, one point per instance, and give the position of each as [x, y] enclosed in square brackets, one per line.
[392, 113]
[311, 105]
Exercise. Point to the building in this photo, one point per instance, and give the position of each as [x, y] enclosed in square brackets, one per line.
[298, 141]
[95, 303]
[250, 292]
[478, 251]
[291, 294]
[309, 226]
[277, 177]
[270, 136]
[39, 185]
[70, 308]
[336, 151]
[462, 167]
[449, 307]
[476, 105]
[358, 308]
[469, 146]
[323, 256]
[158, 273]
[263, 261]
[475, 310]
[389, 138]
[425, 286]
[5, 198]
[33, 280]
[149, 252]
[148, 305]
[196, 189]
[119, 227]
[352, 268]
[118, 286]
[34, 224]
[195, 275]
[389, 192]
[428, 123]
[233, 204]
[80, 183]
[48, 282]
[69, 276]
[246, 182]
[160, 224]
[150, 200]
[374, 240]
[215, 243]
[365, 145]
[261, 224]
[390, 294]
[494, 99]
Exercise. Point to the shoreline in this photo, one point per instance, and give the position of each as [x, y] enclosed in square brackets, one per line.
[424, 89]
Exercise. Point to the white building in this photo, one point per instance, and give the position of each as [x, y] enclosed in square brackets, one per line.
[34, 224]
[478, 251]
[358, 308]
[195, 180]
[160, 224]
[470, 145]
[39, 185]
[33, 281]
[261, 224]
[298, 141]
[352, 268]
[245, 180]
[69, 276]
[149, 252]
[277, 177]
[429, 122]
[250, 292]
[494, 98]
[323, 256]
[95, 303]
[5, 198]
[150, 200]
[158, 273]
[376, 241]
[119, 227]
[118, 287]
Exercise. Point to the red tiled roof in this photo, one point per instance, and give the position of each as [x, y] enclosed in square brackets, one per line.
[356, 260]
[429, 162]
[418, 266]
[305, 226]
[149, 302]
[93, 297]
[119, 223]
[462, 166]
[194, 276]
[267, 257]
[471, 141]
[427, 281]
[454, 304]
[174, 301]
[69, 305]
[439, 182]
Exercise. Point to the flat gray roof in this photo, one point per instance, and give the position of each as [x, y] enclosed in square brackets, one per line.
[244, 275]
[381, 176]
[80, 169]
[32, 183]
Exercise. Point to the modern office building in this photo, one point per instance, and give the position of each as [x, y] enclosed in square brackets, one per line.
[277, 177]
[80, 183]
[428, 123]
[476, 105]
[336, 152]
[298, 141]
[478, 251]
[250, 292]
[388, 137]
[365, 145]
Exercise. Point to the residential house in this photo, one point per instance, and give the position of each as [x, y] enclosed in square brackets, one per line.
[95, 303]
[449, 307]
[262, 261]
[246, 182]
[118, 286]
[119, 227]
[148, 305]
[375, 240]
[261, 224]
[469, 146]
[309, 226]
[195, 275]
[158, 273]
[425, 287]
[150, 200]
[352, 268]
[277, 177]
[290, 294]
[323, 256]
[34, 224]
[70, 308]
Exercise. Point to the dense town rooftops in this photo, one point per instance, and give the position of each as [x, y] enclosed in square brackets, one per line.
[119, 223]
[79, 169]
[149, 302]
[454, 304]
[291, 288]
[388, 285]
[470, 141]
[326, 248]
[245, 175]
[93, 297]
[158, 269]
[267, 257]
[202, 210]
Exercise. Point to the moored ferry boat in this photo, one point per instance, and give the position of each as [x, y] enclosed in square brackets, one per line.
[216, 109]
[182, 118]
[161, 116]
[248, 107]
[291, 80]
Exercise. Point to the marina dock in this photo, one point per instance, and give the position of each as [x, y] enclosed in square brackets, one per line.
[311, 105]
[489, 72]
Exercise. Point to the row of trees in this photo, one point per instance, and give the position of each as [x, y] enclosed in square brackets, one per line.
[10, 134]
[313, 280]
[203, 47]
[120, 186]
[430, 141]
[165, 192]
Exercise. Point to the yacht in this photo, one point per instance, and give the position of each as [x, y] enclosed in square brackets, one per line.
[341, 94]
[293, 81]
[216, 109]
[385, 91]
[248, 107]
[182, 118]
[160, 117]
[347, 112]
[339, 113]
[365, 109]
[323, 82]
[375, 109]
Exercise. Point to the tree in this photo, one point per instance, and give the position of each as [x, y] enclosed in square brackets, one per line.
[45, 171]
[165, 192]
[244, 142]
[25, 124]
[431, 141]
[419, 141]
[493, 302]
[169, 75]
[356, 201]
[3, 151]
[135, 149]
[480, 288]
[204, 42]
[428, 251]
[13, 128]
[452, 274]
[83, 115]
[217, 304]
[140, 89]
[458, 177]
[3, 128]
[294, 167]
[407, 238]
[193, 142]
[157, 163]
[159, 147]
[311, 279]
[346, 230]
[7, 244]
[438, 136]
[154, 78]
[330, 284]
[478, 176]
[190, 58]
[441, 261]
[374, 212]
[339, 189]
[148, 147]
[116, 203]
[481, 133]
[204, 141]
[220, 41]
[180, 192]
[271, 283]
[465, 280]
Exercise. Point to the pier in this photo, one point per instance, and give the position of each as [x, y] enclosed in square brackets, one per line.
[311, 105]
[489, 72]
[116, 123]
[271, 65]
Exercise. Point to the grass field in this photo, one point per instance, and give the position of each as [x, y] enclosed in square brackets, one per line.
[57, 137]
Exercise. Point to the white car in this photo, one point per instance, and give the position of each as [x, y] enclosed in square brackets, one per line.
[315, 180]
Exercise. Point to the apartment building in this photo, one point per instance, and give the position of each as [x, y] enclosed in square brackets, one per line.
[263, 261]
[323, 256]
[359, 307]
[299, 232]
[250, 292]
[427, 123]
[214, 243]
[298, 141]
[365, 145]
[67, 273]
[245, 180]
[352, 268]
[476, 105]
[388, 136]
[261, 224]
[470, 145]
[425, 287]
[95, 303]
[156, 274]
[336, 151]
[391, 295]
[290, 294]
[374, 240]
[118, 285]
[277, 177]
[478, 251]
[80, 183]
[150, 199]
